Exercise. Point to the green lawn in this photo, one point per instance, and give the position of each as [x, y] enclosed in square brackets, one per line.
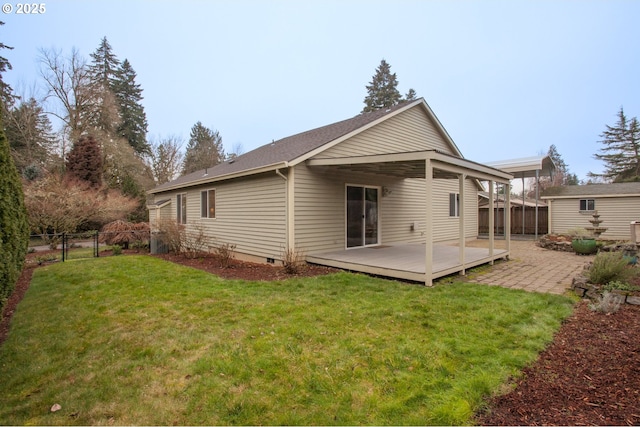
[137, 340]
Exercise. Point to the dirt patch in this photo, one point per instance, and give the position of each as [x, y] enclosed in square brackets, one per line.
[589, 375]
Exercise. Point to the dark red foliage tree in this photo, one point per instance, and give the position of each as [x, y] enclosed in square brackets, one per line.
[84, 161]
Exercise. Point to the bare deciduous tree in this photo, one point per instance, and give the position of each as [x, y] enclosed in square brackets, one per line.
[68, 84]
[165, 159]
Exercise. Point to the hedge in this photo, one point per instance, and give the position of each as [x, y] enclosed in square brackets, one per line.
[14, 227]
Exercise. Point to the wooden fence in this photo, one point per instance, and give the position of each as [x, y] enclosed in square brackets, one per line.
[516, 220]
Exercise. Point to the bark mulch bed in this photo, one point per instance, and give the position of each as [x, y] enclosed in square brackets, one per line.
[589, 374]
[245, 270]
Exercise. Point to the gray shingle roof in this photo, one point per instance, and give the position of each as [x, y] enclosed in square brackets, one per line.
[283, 150]
[621, 188]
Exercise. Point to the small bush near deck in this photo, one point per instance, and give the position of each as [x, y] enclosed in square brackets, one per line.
[608, 267]
[224, 253]
[292, 260]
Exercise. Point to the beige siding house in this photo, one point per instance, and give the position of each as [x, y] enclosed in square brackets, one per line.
[574, 205]
[380, 179]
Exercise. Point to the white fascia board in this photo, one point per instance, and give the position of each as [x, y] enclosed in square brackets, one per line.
[247, 172]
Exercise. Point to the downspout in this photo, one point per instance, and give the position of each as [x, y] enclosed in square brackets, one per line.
[289, 207]
[281, 175]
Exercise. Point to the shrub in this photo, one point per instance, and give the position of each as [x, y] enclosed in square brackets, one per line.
[14, 228]
[224, 253]
[117, 249]
[615, 285]
[195, 240]
[172, 234]
[608, 267]
[607, 303]
[579, 233]
[125, 233]
[292, 260]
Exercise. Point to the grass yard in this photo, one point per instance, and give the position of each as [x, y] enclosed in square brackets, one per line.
[137, 340]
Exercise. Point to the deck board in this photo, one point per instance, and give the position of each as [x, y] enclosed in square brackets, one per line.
[406, 261]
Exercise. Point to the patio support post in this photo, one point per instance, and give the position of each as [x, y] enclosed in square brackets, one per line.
[507, 225]
[537, 196]
[523, 205]
[428, 216]
[461, 222]
[491, 221]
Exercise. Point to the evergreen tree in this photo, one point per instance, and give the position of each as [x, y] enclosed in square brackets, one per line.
[560, 177]
[84, 161]
[204, 149]
[105, 115]
[133, 125]
[621, 151]
[30, 135]
[104, 65]
[14, 228]
[6, 93]
[410, 96]
[382, 91]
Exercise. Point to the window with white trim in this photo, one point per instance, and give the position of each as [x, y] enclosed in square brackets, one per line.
[208, 204]
[454, 204]
[587, 205]
[181, 208]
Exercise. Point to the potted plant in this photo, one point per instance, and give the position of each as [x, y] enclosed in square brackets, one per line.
[583, 242]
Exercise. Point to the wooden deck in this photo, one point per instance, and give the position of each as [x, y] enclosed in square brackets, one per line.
[407, 261]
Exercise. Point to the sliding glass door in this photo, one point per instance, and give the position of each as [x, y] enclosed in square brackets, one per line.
[362, 216]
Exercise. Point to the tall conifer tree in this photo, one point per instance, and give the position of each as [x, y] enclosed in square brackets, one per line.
[382, 91]
[133, 125]
[105, 115]
[204, 149]
[6, 93]
[621, 150]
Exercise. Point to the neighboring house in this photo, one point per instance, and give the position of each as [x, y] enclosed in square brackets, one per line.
[389, 177]
[573, 206]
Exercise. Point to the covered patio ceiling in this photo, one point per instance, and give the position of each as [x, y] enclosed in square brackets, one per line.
[413, 165]
[427, 165]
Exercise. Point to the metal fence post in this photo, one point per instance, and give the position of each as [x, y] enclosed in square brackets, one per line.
[64, 244]
[96, 245]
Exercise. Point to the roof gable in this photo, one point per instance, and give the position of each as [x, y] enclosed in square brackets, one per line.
[296, 148]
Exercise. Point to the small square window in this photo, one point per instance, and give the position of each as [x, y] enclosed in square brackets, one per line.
[587, 205]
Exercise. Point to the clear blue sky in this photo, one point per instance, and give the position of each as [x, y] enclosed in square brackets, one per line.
[506, 78]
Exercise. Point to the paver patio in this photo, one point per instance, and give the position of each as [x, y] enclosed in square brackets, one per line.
[532, 268]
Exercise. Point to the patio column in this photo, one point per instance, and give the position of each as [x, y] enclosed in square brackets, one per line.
[507, 225]
[428, 216]
[491, 221]
[461, 222]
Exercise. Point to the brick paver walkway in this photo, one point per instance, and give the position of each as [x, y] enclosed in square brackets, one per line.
[532, 268]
